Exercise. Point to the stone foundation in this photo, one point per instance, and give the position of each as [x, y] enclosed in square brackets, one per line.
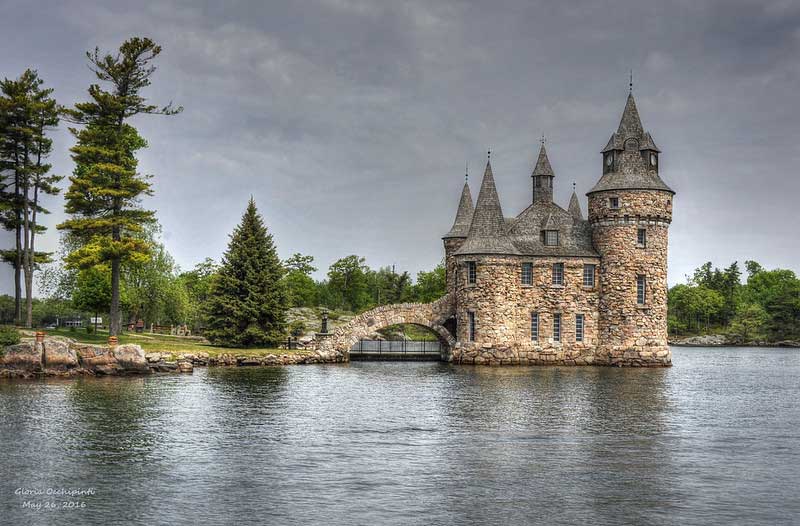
[659, 356]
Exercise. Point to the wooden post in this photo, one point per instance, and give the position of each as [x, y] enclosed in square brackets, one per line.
[113, 341]
[39, 336]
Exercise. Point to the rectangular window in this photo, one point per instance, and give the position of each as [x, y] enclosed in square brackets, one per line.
[641, 237]
[472, 272]
[556, 327]
[588, 275]
[550, 238]
[641, 289]
[579, 327]
[613, 202]
[558, 273]
[527, 273]
[471, 316]
[534, 326]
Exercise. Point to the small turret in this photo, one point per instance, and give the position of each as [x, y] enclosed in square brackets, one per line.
[487, 232]
[542, 176]
[575, 206]
[458, 233]
[463, 215]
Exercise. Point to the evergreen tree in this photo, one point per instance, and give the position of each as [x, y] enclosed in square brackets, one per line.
[248, 302]
[105, 191]
[27, 113]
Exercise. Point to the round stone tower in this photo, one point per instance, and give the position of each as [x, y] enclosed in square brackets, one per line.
[630, 210]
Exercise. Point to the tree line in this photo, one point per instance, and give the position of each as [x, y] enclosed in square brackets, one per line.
[765, 306]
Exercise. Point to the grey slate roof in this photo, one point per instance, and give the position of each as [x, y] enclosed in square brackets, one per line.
[488, 227]
[631, 170]
[575, 207]
[630, 125]
[463, 215]
[543, 164]
[575, 235]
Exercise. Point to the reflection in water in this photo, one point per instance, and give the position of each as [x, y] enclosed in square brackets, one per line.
[710, 440]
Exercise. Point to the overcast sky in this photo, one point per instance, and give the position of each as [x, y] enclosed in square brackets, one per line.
[350, 122]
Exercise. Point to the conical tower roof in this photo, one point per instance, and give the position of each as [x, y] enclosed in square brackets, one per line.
[575, 207]
[630, 169]
[463, 215]
[543, 164]
[487, 232]
[630, 125]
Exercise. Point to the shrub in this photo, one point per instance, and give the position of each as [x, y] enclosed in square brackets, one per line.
[297, 328]
[89, 329]
[8, 336]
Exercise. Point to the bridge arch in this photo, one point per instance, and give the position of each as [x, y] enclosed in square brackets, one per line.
[429, 315]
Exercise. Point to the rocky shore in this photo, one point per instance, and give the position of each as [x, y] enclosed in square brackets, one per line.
[723, 340]
[58, 357]
[53, 357]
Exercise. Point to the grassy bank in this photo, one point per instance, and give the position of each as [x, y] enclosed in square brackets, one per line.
[166, 344]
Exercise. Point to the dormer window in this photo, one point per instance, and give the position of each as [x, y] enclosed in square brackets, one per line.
[613, 203]
[550, 238]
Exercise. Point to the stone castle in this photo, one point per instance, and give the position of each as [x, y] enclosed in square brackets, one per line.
[549, 286]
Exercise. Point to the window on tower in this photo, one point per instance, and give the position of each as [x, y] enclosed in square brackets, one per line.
[641, 289]
[641, 238]
[472, 272]
[613, 202]
[579, 324]
[534, 326]
[471, 319]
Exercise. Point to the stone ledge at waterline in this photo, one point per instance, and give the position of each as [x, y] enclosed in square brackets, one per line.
[58, 358]
[55, 357]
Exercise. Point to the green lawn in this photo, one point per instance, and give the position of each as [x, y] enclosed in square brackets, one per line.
[165, 344]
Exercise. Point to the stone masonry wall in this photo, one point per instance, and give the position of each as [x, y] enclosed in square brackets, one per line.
[629, 333]
[503, 307]
[451, 245]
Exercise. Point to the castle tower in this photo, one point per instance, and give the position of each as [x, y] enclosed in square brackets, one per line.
[487, 273]
[456, 236]
[630, 209]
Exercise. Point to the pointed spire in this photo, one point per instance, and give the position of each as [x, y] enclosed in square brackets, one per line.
[487, 232]
[543, 163]
[630, 125]
[463, 215]
[575, 206]
[487, 220]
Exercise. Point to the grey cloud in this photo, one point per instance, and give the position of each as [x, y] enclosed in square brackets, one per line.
[350, 121]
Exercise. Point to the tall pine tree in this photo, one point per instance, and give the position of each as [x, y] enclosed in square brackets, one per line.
[247, 304]
[27, 113]
[105, 192]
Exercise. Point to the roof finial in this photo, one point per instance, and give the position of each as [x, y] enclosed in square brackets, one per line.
[573, 186]
[466, 172]
[489, 155]
[543, 140]
[630, 83]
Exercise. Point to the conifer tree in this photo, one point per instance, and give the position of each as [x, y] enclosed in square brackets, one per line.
[105, 192]
[247, 304]
[27, 113]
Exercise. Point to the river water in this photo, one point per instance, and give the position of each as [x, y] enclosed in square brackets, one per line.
[713, 440]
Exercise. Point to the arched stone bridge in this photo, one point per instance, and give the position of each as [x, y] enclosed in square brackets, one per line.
[336, 347]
